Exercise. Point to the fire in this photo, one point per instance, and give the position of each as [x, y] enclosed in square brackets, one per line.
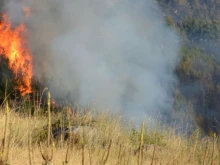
[13, 46]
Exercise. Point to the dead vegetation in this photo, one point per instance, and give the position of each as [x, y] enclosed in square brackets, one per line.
[92, 138]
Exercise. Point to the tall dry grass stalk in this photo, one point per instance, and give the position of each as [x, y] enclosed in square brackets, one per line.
[129, 155]
[66, 156]
[83, 147]
[90, 156]
[206, 151]
[140, 155]
[105, 158]
[193, 152]
[29, 139]
[154, 151]
[119, 155]
[69, 143]
[213, 148]
[49, 120]
[48, 156]
[5, 144]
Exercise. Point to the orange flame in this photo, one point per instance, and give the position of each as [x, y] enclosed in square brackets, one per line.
[14, 47]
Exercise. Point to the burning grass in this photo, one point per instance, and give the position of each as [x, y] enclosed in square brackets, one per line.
[95, 138]
[14, 47]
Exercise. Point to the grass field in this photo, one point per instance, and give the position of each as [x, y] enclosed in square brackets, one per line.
[27, 137]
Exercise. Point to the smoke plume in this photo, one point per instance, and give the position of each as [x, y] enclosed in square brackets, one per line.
[114, 54]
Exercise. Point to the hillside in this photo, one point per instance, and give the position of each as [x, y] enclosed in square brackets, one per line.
[198, 23]
[206, 10]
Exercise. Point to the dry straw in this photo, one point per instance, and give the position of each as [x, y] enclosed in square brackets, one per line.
[47, 157]
[5, 145]
[140, 155]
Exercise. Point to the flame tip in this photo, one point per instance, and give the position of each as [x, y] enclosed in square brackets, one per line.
[13, 46]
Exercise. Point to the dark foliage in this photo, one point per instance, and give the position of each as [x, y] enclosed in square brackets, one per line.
[198, 22]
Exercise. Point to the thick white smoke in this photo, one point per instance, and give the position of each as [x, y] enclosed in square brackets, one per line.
[115, 54]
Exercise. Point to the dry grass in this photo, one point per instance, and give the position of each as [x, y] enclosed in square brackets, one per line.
[101, 139]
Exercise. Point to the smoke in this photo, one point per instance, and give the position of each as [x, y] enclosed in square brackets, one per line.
[114, 54]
